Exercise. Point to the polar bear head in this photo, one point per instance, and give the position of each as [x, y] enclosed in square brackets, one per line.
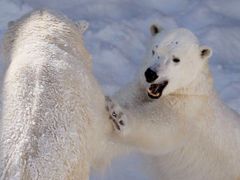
[174, 60]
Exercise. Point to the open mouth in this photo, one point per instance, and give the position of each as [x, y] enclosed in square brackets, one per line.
[155, 90]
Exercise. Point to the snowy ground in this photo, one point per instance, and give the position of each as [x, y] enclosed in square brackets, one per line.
[118, 35]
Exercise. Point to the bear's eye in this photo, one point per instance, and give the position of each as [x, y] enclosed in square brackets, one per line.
[176, 60]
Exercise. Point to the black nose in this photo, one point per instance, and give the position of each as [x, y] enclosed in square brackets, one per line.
[150, 75]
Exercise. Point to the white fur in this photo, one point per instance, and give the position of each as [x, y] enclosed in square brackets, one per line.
[188, 133]
[54, 124]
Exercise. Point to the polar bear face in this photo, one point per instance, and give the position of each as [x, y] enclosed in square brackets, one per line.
[175, 59]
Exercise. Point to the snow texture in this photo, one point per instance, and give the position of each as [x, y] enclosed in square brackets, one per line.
[118, 36]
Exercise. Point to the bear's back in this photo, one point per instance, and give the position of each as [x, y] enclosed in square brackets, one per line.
[52, 104]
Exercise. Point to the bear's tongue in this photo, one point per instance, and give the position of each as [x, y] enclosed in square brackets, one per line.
[155, 90]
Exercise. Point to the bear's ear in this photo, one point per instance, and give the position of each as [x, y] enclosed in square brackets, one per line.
[82, 26]
[10, 23]
[155, 29]
[205, 52]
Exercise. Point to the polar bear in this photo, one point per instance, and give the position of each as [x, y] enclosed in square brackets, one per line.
[173, 113]
[54, 123]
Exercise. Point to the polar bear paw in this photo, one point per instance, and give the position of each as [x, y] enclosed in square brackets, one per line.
[116, 115]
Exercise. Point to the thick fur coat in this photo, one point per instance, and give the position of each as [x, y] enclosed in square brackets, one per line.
[54, 124]
[189, 133]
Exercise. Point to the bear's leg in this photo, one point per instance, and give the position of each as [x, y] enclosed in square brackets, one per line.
[152, 136]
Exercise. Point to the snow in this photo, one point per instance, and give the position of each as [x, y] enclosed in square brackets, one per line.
[119, 33]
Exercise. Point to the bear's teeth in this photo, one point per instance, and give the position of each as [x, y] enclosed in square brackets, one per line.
[152, 94]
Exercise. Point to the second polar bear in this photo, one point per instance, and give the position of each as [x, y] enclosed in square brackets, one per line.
[173, 112]
[54, 124]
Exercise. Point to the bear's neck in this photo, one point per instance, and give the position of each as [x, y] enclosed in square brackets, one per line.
[202, 85]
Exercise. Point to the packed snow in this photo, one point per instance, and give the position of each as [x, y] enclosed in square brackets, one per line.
[118, 36]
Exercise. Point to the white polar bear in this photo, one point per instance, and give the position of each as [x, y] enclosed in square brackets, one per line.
[191, 134]
[54, 124]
